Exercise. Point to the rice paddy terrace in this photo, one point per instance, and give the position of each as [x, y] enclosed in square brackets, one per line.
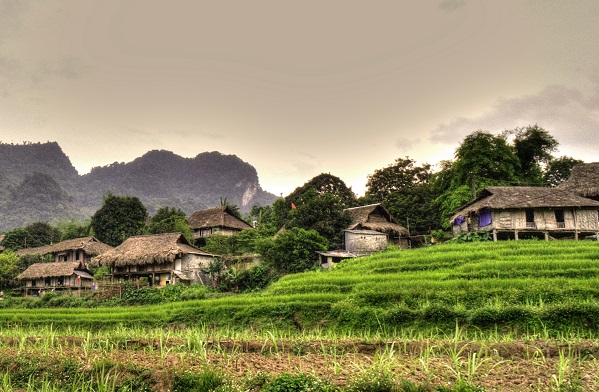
[515, 286]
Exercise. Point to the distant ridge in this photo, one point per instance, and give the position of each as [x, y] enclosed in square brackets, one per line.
[39, 183]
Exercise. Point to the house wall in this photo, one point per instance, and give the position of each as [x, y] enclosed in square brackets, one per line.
[192, 266]
[71, 255]
[588, 219]
[210, 231]
[57, 282]
[364, 244]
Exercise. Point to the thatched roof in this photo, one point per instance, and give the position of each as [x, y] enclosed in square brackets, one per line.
[520, 197]
[89, 245]
[148, 249]
[45, 270]
[584, 180]
[364, 218]
[217, 217]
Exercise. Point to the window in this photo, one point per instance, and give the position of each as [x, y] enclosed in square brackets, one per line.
[559, 218]
[485, 218]
[530, 218]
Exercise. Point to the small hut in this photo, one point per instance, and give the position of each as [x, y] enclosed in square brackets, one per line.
[583, 181]
[42, 277]
[78, 249]
[370, 224]
[160, 258]
[220, 220]
[331, 258]
[514, 212]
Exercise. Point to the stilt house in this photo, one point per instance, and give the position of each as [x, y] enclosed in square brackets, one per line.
[56, 276]
[514, 212]
[158, 259]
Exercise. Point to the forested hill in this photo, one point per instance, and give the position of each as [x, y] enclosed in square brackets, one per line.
[38, 182]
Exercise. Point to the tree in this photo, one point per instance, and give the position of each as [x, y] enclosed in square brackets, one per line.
[233, 208]
[292, 250]
[9, 269]
[31, 236]
[325, 183]
[405, 190]
[119, 218]
[324, 213]
[534, 147]
[559, 169]
[73, 229]
[170, 220]
[483, 158]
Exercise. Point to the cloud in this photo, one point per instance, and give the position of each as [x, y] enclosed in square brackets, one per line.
[404, 144]
[451, 5]
[569, 114]
[66, 68]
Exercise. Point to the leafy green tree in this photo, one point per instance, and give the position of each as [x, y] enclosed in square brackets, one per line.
[321, 212]
[292, 250]
[233, 208]
[119, 218]
[31, 236]
[534, 147]
[405, 190]
[170, 220]
[219, 244]
[559, 169]
[73, 229]
[9, 269]
[325, 183]
[485, 158]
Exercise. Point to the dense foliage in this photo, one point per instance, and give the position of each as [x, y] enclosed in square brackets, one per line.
[118, 219]
[405, 190]
[31, 236]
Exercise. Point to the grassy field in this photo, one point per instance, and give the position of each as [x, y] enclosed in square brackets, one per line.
[489, 316]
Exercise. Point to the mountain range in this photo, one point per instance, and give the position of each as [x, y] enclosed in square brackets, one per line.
[39, 183]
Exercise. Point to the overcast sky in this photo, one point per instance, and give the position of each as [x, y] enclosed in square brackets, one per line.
[296, 88]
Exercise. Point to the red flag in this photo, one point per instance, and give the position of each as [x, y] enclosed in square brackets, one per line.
[293, 206]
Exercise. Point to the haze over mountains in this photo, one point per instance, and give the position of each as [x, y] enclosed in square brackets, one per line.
[39, 183]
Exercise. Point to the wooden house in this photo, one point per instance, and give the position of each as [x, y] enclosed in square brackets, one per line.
[514, 212]
[221, 220]
[44, 277]
[2, 239]
[372, 228]
[583, 181]
[160, 259]
[78, 249]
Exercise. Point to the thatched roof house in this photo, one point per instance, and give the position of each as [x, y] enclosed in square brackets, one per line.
[161, 257]
[515, 209]
[376, 219]
[584, 180]
[220, 220]
[72, 275]
[70, 250]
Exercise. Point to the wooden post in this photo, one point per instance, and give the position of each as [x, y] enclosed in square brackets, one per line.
[516, 235]
[546, 236]
[494, 235]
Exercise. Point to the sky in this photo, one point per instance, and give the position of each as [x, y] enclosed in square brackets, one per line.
[296, 88]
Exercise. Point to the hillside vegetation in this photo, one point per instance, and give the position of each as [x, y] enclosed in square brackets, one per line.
[39, 183]
[515, 287]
